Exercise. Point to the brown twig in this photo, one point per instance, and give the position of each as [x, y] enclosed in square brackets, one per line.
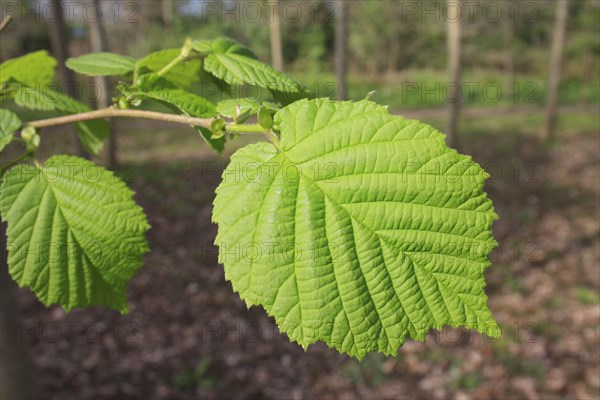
[111, 112]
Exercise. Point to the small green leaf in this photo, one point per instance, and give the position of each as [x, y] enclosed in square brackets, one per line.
[361, 229]
[191, 105]
[188, 103]
[265, 118]
[151, 81]
[183, 74]
[32, 69]
[224, 45]
[91, 133]
[102, 64]
[204, 47]
[217, 126]
[234, 64]
[75, 235]
[9, 123]
[233, 108]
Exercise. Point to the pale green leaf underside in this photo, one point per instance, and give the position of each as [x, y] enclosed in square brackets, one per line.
[365, 230]
[101, 64]
[75, 235]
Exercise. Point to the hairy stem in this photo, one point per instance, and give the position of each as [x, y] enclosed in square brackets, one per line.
[170, 65]
[241, 128]
[273, 139]
[111, 112]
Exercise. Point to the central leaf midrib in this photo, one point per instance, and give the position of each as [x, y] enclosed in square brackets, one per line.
[326, 195]
[72, 228]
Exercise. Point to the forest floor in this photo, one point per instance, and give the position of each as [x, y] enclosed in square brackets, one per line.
[189, 336]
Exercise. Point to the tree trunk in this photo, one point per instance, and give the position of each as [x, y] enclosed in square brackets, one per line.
[453, 25]
[556, 58]
[393, 55]
[167, 13]
[16, 370]
[587, 79]
[97, 44]
[59, 38]
[341, 49]
[508, 36]
[275, 30]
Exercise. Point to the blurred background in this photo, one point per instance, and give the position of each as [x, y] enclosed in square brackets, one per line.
[516, 84]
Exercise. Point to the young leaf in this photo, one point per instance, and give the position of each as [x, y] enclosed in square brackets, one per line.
[224, 45]
[231, 107]
[75, 235]
[361, 229]
[9, 123]
[191, 105]
[32, 69]
[203, 47]
[102, 64]
[233, 63]
[265, 118]
[91, 133]
[217, 127]
[182, 74]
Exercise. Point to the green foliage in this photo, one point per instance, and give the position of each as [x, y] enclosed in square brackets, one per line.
[91, 133]
[235, 64]
[363, 229]
[238, 109]
[352, 226]
[102, 64]
[191, 105]
[9, 123]
[75, 236]
[182, 75]
[265, 118]
[32, 69]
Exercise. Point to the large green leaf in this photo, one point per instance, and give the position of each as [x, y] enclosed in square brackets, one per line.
[91, 133]
[9, 123]
[33, 69]
[191, 105]
[362, 230]
[183, 74]
[75, 236]
[234, 64]
[102, 64]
